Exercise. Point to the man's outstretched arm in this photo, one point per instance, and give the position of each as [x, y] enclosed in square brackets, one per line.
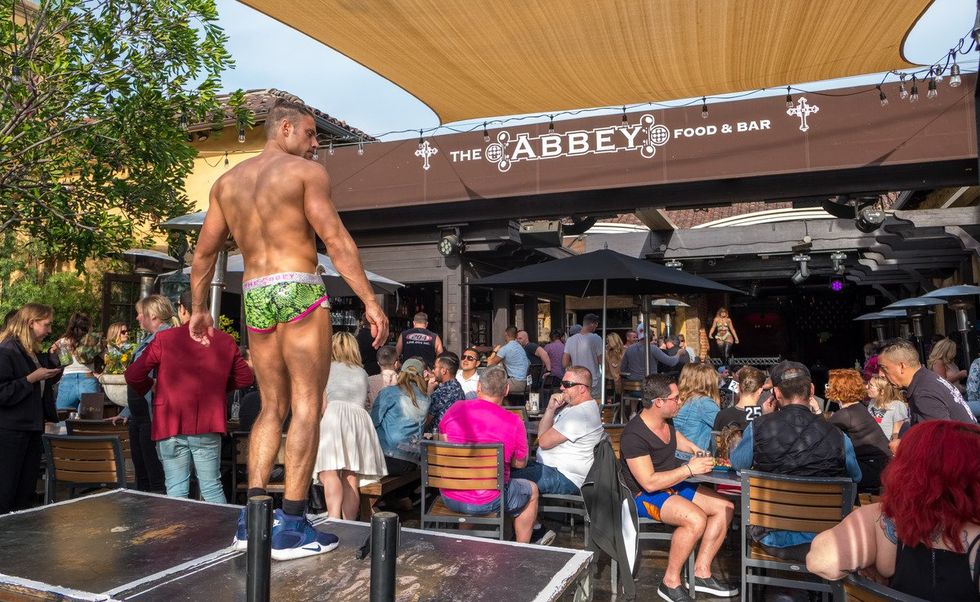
[214, 234]
[322, 215]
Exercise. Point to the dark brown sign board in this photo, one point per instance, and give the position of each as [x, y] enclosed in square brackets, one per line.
[593, 163]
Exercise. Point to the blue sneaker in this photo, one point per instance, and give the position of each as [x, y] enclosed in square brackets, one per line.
[241, 536]
[295, 537]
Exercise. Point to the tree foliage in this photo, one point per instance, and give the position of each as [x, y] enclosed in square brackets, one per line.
[94, 98]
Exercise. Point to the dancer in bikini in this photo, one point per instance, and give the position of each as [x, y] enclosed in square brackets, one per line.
[274, 205]
[724, 334]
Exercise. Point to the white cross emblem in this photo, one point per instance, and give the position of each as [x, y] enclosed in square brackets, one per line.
[801, 110]
[425, 151]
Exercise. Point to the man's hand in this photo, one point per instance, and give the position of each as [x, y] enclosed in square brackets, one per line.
[701, 464]
[379, 324]
[202, 327]
[556, 401]
[769, 405]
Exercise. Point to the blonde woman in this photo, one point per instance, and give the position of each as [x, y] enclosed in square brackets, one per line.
[942, 360]
[723, 332]
[888, 406]
[614, 359]
[26, 401]
[117, 337]
[698, 391]
[399, 414]
[349, 447]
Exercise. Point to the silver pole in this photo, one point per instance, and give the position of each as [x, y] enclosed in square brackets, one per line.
[218, 284]
[646, 333]
[602, 390]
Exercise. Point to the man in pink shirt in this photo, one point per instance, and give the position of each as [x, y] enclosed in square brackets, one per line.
[483, 420]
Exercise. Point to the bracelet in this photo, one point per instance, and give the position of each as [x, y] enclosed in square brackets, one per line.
[688, 466]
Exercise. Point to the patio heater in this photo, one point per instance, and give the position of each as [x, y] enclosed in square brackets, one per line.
[877, 319]
[193, 222]
[147, 263]
[917, 308]
[668, 306]
[961, 302]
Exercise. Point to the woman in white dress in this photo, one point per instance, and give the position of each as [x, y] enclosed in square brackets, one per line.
[349, 448]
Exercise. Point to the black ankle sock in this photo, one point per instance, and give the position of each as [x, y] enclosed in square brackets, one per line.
[256, 491]
[294, 507]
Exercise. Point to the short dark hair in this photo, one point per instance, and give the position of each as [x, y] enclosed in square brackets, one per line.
[387, 356]
[421, 318]
[795, 388]
[449, 361]
[290, 110]
[186, 300]
[590, 319]
[557, 334]
[656, 386]
[583, 372]
[511, 331]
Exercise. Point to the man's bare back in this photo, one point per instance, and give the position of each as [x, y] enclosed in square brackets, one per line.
[272, 205]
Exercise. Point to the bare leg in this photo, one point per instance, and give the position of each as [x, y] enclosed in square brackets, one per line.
[524, 524]
[333, 492]
[266, 436]
[351, 493]
[305, 348]
[689, 522]
[719, 512]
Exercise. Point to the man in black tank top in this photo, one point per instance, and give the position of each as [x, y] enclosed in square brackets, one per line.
[419, 341]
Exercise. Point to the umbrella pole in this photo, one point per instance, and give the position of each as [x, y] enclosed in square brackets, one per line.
[646, 334]
[218, 284]
[602, 390]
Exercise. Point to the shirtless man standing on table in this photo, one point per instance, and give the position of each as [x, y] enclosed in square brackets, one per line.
[273, 205]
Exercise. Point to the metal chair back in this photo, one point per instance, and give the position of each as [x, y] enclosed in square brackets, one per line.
[90, 463]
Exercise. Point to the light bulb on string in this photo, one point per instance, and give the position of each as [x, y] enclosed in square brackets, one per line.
[421, 141]
[316, 154]
[551, 124]
[360, 147]
[903, 93]
[226, 158]
[626, 120]
[789, 98]
[914, 95]
[882, 97]
[704, 108]
[183, 121]
[15, 77]
[938, 73]
[486, 134]
[933, 91]
[241, 134]
[954, 74]
[330, 148]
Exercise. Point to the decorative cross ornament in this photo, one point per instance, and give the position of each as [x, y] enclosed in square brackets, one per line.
[425, 151]
[801, 110]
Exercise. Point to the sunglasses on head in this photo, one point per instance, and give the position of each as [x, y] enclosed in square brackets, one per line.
[569, 384]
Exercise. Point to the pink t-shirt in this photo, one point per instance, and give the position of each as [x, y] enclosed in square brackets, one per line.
[481, 421]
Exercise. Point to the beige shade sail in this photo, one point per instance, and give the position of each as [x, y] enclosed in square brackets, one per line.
[471, 59]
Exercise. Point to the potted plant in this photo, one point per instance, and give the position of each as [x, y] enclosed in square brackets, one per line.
[112, 379]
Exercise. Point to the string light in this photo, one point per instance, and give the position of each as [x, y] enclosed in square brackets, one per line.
[789, 99]
[330, 148]
[704, 108]
[933, 92]
[882, 97]
[914, 96]
[903, 93]
[226, 158]
[954, 71]
[486, 134]
[551, 124]
[626, 120]
[316, 154]
[183, 121]
[420, 139]
[360, 147]
[241, 133]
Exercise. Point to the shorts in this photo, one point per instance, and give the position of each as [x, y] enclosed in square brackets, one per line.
[648, 505]
[279, 298]
[517, 493]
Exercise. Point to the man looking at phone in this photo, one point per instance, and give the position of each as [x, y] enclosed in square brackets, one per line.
[568, 432]
[656, 477]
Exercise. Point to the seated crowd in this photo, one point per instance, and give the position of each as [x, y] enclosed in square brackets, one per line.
[919, 450]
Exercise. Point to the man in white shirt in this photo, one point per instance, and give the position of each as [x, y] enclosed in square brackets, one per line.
[566, 438]
[467, 375]
[585, 349]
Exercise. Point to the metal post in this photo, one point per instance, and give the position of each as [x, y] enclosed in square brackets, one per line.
[602, 369]
[384, 551]
[668, 322]
[879, 328]
[218, 284]
[647, 337]
[146, 282]
[960, 311]
[918, 332]
[258, 559]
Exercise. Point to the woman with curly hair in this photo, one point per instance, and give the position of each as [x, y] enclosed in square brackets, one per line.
[887, 406]
[925, 534]
[698, 387]
[870, 444]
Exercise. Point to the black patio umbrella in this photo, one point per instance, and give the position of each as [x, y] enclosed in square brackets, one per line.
[605, 273]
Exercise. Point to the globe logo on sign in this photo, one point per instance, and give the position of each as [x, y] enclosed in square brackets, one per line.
[495, 152]
[659, 135]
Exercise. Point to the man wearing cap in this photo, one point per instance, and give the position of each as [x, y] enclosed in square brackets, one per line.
[790, 439]
[585, 349]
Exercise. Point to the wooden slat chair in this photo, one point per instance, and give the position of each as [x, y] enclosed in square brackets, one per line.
[88, 463]
[789, 503]
[98, 428]
[610, 412]
[859, 589]
[521, 412]
[371, 493]
[615, 434]
[632, 394]
[240, 452]
[464, 467]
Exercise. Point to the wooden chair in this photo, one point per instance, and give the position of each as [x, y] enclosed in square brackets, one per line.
[632, 394]
[615, 433]
[789, 503]
[610, 412]
[240, 453]
[101, 428]
[373, 492]
[464, 467]
[859, 589]
[90, 463]
[520, 411]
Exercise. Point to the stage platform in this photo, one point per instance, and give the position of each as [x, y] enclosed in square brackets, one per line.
[128, 545]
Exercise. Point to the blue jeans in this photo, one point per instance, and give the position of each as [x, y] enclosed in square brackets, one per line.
[204, 452]
[548, 478]
[517, 493]
[71, 387]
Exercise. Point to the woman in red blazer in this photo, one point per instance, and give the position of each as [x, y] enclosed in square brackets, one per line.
[189, 401]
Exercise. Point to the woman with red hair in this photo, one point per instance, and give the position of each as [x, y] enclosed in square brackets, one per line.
[846, 387]
[925, 534]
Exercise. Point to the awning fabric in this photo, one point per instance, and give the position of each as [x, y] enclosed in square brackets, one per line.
[471, 59]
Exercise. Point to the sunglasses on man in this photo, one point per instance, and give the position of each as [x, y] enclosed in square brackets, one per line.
[469, 358]
[567, 384]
